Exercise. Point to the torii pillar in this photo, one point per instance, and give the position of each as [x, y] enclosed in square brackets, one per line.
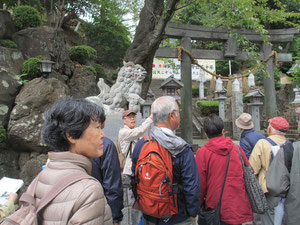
[186, 121]
[269, 84]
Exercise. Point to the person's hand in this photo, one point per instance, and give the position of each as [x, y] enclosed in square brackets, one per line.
[13, 197]
[151, 116]
[192, 218]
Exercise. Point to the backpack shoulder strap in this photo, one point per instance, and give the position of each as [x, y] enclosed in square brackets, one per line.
[61, 185]
[147, 138]
[28, 196]
[273, 143]
[249, 142]
[288, 151]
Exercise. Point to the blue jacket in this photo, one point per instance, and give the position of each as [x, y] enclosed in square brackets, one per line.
[106, 169]
[184, 168]
[253, 137]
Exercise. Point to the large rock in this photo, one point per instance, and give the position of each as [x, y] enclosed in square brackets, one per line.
[7, 26]
[47, 42]
[9, 88]
[11, 60]
[8, 163]
[83, 83]
[24, 128]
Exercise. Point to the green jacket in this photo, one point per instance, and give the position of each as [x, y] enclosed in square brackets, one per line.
[7, 209]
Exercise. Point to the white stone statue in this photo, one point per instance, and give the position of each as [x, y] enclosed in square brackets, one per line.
[129, 82]
[134, 101]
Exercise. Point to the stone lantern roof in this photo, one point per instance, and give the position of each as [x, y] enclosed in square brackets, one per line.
[171, 82]
[255, 93]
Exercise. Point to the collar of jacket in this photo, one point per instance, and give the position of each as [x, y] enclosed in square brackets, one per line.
[245, 132]
[70, 159]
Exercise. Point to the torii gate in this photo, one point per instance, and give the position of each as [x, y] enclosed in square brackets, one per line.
[186, 33]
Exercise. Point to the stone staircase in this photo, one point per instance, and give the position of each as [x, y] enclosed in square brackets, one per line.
[291, 117]
[196, 133]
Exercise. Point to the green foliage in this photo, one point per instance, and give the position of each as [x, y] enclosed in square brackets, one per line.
[3, 135]
[91, 68]
[31, 68]
[22, 78]
[114, 76]
[8, 44]
[82, 53]
[110, 38]
[235, 14]
[208, 107]
[222, 67]
[26, 16]
[262, 74]
[296, 71]
[100, 71]
[195, 91]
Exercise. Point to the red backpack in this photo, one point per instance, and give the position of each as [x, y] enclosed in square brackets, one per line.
[155, 192]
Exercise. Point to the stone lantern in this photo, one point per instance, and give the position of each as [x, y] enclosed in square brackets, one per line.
[46, 67]
[295, 68]
[222, 99]
[146, 107]
[170, 86]
[256, 100]
[251, 80]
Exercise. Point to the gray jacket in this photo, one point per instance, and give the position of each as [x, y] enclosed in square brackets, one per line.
[292, 203]
[281, 183]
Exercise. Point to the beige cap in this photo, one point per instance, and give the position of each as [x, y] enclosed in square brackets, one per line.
[244, 121]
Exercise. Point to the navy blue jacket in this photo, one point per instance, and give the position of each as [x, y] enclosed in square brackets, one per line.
[185, 171]
[106, 169]
[253, 137]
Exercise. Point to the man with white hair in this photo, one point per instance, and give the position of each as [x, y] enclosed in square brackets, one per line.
[261, 158]
[166, 117]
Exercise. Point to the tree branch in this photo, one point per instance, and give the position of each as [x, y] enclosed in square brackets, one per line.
[186, 5]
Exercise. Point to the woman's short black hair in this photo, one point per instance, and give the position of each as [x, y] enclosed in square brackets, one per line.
[213, 126]
[72, 117]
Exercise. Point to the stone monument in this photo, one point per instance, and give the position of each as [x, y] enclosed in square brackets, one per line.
[126, 90]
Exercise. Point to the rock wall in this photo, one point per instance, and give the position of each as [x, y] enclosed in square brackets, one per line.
[7, 26]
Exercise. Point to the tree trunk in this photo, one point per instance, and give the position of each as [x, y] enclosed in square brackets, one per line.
[149, 33]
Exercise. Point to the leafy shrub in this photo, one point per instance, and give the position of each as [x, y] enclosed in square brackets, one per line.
[208, 107]
[100, 71]
[3, 134]
[91, 68]
[110, 38]
[26, 16]
[195, 91]
[31, 68]
[82, 53]
[8, 44]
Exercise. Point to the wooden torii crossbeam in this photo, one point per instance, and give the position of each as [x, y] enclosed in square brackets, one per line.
[186, 33]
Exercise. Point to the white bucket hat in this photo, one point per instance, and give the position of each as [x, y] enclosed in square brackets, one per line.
[244, 121]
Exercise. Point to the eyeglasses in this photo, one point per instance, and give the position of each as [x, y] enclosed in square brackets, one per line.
[131, 116]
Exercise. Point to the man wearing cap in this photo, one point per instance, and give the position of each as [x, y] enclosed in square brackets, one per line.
[128, 136]
[249, 137]
[260, 159]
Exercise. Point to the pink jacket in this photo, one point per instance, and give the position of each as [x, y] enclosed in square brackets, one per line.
[81, 203]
